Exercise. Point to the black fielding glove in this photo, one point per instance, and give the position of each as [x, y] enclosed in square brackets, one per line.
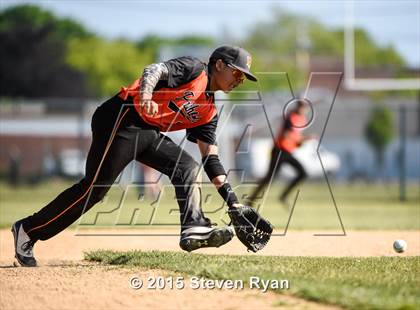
[251, 228]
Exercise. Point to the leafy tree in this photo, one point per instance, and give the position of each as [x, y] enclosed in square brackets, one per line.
[33, 54]
[152, 43]
[368, 54]
[108, 65]
[379, 132]
[50, 56]
[277, 41]
[25, 16]
[43, 55]
[195, 40]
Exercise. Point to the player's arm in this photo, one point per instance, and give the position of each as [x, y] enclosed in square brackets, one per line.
[298, 139]
[152, 74]
[216, 173]
[174, 72]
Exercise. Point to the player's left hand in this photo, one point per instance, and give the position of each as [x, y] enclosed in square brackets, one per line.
[251, 228]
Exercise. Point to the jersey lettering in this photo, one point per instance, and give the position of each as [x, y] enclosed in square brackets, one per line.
[186, 106]
[188, 109]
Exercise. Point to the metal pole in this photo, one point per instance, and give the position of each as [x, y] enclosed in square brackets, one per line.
[403, 151]
[418, 113]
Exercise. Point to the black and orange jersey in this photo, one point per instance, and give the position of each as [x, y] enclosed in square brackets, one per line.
[290, 136]
[183, 102]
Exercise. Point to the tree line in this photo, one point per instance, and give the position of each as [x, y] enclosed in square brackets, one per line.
[43, 55]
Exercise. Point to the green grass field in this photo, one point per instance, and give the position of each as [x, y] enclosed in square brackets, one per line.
[354, 283]
[361, 206]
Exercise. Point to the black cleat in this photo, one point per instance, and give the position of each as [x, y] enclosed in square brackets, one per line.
[202, 237]
[23, 246]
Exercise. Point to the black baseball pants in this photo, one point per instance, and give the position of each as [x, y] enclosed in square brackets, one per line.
[278, 158]
[119, 136]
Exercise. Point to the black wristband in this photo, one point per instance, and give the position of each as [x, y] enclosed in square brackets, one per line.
[228, 194]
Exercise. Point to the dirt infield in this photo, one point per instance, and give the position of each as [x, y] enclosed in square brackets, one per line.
[65, 281]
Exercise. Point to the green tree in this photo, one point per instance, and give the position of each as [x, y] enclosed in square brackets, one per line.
[195, 40]
[108, 64]
[33, 16]
[33, 54]
[275, 43]
[379, 132]
[43, 55]
[152, 43]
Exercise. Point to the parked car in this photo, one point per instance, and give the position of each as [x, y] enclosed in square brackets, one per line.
[308, 157]
[72, 163]
[306, 154]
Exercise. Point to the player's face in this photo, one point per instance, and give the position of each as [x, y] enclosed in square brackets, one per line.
[229, 77]
[238, 75]
[301, 109]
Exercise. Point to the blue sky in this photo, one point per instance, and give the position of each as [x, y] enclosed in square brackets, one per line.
[388, 22]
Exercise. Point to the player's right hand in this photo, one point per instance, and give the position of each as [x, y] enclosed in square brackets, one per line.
[147, 105]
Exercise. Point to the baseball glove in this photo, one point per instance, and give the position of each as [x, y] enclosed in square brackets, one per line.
[253, 230]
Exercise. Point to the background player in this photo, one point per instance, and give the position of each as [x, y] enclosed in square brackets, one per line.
[288, 139]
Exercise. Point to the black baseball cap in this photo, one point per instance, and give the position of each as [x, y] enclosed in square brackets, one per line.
[235, 56]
